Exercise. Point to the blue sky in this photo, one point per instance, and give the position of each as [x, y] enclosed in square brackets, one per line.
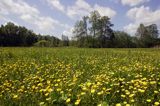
[57, 17]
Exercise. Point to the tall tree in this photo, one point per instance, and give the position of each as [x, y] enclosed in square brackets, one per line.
[147, 35]
[93, 19]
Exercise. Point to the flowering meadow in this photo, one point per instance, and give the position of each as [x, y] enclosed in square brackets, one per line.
[83, 77]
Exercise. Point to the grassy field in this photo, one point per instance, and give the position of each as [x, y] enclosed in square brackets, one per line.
[85, 77]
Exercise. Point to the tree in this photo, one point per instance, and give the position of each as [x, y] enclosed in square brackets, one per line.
[85, 18]
[13, 35]
[147, 35]
[65, 40]
[123, 40]
[105, 33]
[93, 19]
[80, 32]
[153, 31]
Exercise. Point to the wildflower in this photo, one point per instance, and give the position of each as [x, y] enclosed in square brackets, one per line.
[148, 100]
[127, 104]
[131, 95]
[118, 104]
[58, 89]
[156, 103]
[132, 100]
[41, 103]
[77, 102]
[123, 96]
[48, 99]
[93, 91]
[89, 84]
[15, 96]
[83, 93]
[68, 100]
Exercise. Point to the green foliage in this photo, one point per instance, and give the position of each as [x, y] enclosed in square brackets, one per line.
[123, 40]
[147, 35]
[13, 35]
[42, 43]
[100, 32]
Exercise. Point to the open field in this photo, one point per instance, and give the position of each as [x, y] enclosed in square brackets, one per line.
[85, 77]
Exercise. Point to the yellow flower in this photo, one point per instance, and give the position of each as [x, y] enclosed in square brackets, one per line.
[89, 84]
[46, 94]
[100, 93]
[153, 82]
[48, 82]
[83, 93]
[48, 99]
[50, 90]
[58, 89]
[118, 104]
[68, 100]
[123, 96]
[93, 91]
[148, 100]
[156, 103]
[41, 103]
[131, 95]
[99, 105]
[15, 96]
[77, 102]
[127, 104]
[56, 84]
[132, 100]
[155, 92]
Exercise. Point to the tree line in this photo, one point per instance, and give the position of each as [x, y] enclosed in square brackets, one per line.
[13, 35]
[96, 31]
[92, 31]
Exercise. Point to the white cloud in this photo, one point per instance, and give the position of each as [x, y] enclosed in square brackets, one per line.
[29, 14]
[133, 2]
[68, 32]
[142, 15]
[131, 28]
[82, 8]
[56, 4]
[79, 9]
[105, 11]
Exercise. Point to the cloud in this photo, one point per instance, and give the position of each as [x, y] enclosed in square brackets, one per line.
[105, 11]
[131, 28]
[133, 2]
[82, 8]
[142, 15]
[28, 14]
[56, 4]
[68, 32]
[79, 9]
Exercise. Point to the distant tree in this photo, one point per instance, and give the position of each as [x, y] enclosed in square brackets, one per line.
[147, 35]
[13, 35]
[153, 31]
[85, 26]
[123, 40]
[79, 32]
[42, 43]
[65, 40]
[93, 19]
[105, 33]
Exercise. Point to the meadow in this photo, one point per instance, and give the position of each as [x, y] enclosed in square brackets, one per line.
[79, 76]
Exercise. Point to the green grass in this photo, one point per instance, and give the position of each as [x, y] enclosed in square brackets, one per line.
[79, 76]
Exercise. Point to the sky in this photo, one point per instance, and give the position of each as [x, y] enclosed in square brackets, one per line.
[57, 17]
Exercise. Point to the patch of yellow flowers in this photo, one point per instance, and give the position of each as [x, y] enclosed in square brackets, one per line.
[93, 78]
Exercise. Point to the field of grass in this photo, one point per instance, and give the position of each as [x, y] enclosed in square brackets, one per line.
[84, 77]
